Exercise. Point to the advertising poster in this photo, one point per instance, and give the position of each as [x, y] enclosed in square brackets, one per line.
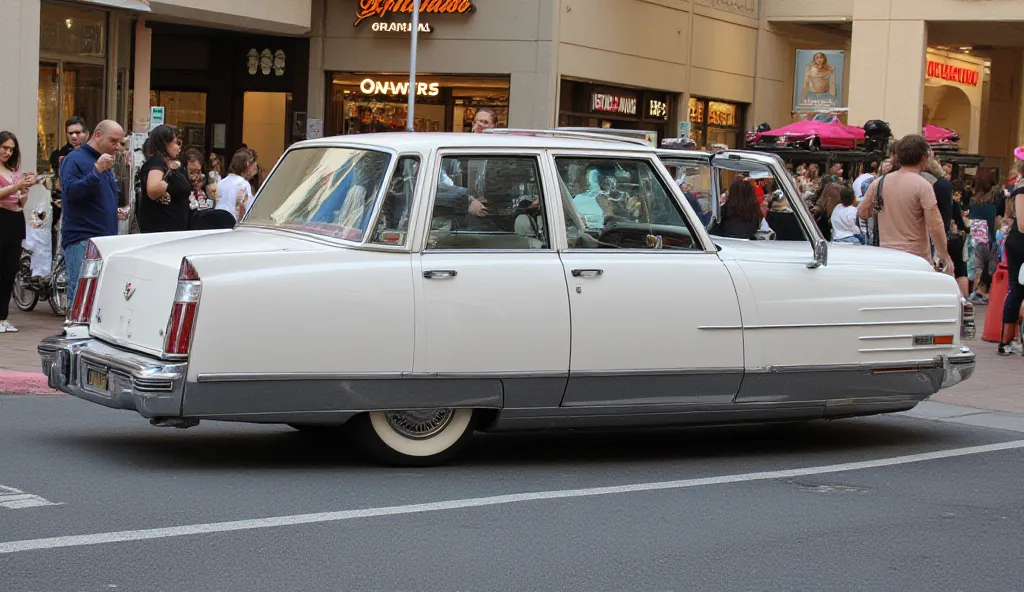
[818, 80]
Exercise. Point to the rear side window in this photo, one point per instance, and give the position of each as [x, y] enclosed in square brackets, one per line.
[328, 191]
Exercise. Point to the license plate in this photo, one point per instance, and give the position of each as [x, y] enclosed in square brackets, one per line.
[97, 379]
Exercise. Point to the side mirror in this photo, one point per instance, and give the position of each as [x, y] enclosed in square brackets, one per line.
[820, 255]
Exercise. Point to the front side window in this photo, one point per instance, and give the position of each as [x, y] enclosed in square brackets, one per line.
[488, 202]
[328, 191]
[621, 204]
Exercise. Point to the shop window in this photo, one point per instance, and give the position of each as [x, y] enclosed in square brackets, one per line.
[368, 103]
[715, 122]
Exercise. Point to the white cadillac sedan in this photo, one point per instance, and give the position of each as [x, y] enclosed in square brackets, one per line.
[415, 288]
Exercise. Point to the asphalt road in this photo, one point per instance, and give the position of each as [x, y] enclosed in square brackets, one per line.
[244, 508]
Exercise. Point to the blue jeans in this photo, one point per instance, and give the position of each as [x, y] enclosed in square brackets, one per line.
[74, 255]
[857, 239]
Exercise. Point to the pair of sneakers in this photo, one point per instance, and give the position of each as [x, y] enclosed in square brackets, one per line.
[976, 298]
[7, 327]
[1014, 347]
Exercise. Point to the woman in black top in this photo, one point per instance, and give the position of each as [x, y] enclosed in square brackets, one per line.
[164, 203]
[741, 214]
[1014, 261]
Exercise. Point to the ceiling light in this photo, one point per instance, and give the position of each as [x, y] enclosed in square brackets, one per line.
[966, 47]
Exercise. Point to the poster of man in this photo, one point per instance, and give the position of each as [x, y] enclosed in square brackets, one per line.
[818, 80]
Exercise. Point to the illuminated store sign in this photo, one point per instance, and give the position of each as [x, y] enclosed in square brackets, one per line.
[966, 76]
[657, 109]
[382, 8]
[608, 103]
[370, 86]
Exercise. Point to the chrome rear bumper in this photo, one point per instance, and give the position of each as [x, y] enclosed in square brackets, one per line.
[957, 368]
[136, 382]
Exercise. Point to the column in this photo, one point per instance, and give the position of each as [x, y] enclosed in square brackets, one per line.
[317, 96]
[19, 80]
[143, 53]
[887, 66]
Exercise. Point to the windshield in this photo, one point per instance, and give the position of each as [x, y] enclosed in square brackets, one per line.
[329, 191]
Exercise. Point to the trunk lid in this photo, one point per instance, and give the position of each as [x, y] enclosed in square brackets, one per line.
[136, 289]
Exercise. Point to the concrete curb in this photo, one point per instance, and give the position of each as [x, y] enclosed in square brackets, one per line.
[967, 416]
[25, 383]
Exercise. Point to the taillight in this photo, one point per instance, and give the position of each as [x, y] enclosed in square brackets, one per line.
[85, 293]
[178, 337]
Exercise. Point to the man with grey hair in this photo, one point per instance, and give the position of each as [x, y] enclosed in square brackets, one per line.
[90, 196]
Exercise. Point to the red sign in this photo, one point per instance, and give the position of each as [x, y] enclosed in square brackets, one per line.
[967, 76]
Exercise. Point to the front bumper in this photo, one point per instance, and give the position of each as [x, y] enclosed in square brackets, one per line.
[957, 368]
[152, 387]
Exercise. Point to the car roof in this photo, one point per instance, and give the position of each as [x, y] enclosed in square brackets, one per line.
[424, 142]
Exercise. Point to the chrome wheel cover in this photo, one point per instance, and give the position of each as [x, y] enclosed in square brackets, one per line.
[420, 424]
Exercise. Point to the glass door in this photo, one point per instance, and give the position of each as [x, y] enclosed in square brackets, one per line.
[50, 135]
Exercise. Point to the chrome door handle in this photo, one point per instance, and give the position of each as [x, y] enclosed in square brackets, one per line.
[587, 272]
[440, 273]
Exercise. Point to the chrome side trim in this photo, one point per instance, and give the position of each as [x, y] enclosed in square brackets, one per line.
[868, 350]
[876, 337]
[272, 376]
[654, 372]
[917, 307]
[857, 324]
[720, 327]
[908, 364]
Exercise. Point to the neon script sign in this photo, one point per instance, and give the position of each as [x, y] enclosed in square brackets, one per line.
[381, 8]
[967, 76]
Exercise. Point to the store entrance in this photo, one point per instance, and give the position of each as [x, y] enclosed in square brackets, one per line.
[265, 124]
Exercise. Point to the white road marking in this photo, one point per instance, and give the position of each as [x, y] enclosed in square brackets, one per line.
[16, 499]
[278, 521]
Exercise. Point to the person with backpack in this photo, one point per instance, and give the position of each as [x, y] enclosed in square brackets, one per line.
[983, 223]
[908, 214]
[952, 220]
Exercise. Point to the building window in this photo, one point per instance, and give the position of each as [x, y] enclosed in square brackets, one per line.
[185, 111]
[367, 103]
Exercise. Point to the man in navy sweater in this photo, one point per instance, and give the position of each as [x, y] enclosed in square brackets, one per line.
[89, 196]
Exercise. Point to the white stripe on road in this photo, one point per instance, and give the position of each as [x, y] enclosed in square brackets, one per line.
[193, 529]
[16, 499]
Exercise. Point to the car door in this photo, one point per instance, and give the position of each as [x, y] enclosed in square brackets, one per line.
[693, 173]
[495, 309]
[644, 285]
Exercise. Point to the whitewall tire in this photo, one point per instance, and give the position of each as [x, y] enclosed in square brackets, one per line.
[414, 437]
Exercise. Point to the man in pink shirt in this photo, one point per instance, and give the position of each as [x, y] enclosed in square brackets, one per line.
[907, 211]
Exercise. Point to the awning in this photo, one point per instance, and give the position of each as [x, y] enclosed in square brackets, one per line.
[135, 5]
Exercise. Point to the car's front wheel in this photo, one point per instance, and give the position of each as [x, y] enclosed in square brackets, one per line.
[413, 437]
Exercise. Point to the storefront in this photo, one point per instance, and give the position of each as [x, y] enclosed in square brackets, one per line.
[716, 122]
[368, 102]
[593, 104]
[224, 88]
[84, 60]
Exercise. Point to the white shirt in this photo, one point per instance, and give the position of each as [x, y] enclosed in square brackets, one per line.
[227, 190]
[858, 185]
[844, 222]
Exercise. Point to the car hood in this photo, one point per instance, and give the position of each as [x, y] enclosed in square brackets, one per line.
[838, 253]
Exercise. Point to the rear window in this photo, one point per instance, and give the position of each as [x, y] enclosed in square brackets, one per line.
[328, 191]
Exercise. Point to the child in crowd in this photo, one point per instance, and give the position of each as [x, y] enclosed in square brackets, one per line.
[845, 224]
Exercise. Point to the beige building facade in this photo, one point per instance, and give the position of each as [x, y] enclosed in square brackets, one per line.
[717, 65]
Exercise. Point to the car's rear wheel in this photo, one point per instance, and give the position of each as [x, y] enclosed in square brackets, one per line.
[413, 437]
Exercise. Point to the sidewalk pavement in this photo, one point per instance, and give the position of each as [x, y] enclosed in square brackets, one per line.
[996, 385]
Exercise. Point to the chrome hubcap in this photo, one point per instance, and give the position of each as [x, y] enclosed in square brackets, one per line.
[418, 424]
